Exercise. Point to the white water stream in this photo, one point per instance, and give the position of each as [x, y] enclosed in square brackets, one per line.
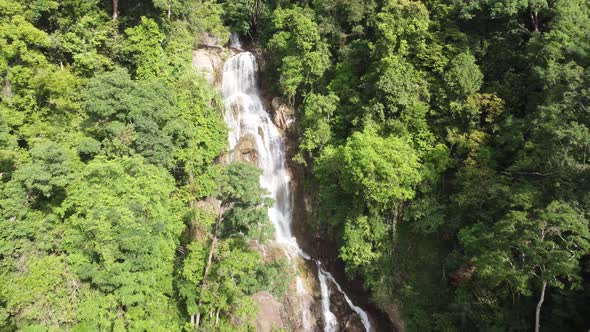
[246, 117]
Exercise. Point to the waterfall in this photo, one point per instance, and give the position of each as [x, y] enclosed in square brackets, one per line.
[330, 321]
[247, 118]
[362, 314]
[234, 41]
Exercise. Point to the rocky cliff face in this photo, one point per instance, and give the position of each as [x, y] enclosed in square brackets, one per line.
[303, 293]
[209, 58]
[283, 115]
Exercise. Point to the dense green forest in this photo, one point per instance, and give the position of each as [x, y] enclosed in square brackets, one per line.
[446, 143]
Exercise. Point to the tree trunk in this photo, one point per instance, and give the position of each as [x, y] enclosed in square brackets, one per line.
[210, 258]
[207, 268]
[169, 10]
[538, 311]
[535, 19]
[115, 9]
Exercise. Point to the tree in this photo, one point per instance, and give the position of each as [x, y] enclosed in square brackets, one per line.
[318, 111]
[463, 77]
[115, 10]
[143, 48]
[398, 85]
[130, 117]
[402, 27]
[167, 5]
[528, 248]
[383, 171]
[243, 15]
[241, 207]
[504, 8]
[86, 42]
[198, 131]
[51, 169]
[297, 42]
[122, 232]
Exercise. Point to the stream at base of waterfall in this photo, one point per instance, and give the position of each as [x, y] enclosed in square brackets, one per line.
[246, 116]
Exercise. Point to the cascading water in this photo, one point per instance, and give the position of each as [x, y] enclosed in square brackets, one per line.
[330, 321]
[246, 117]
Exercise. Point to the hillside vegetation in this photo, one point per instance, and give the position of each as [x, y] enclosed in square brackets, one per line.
[446, 142]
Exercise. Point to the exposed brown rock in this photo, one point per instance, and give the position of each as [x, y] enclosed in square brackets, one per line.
[269, 313]
[209, 61]
[283, 115]
[245, 150]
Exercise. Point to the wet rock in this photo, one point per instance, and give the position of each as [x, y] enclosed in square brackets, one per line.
[245, 150]
[283, 114]
[209, 62]
[261, 59]
[348, 320]
[269, 314]
[301, 307]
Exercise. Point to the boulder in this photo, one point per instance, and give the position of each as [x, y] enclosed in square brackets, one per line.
[283, 114]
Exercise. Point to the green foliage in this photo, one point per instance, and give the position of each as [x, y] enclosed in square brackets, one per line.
[446, 143]
[198, 131]
[206, 15]
[399, 85]
[500, 8]
[318, 111]
[381, 170]
[45, 282]
[402, 26]
[297, 43]
[123, 248]
[88, 40]
[463, 78]
[130, 117]
[243, 201]
[236, 271]
[143, 48]
[365, 243]
[101, 171]
[451, 170]
[243, 15]
[50, 170]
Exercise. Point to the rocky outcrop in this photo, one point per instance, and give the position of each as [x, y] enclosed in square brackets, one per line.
[209, 61]
[348, 320]
[209, 40]
[300, 309]
[245, 150]
[268, 318]
[283, 115]
[301, 306]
